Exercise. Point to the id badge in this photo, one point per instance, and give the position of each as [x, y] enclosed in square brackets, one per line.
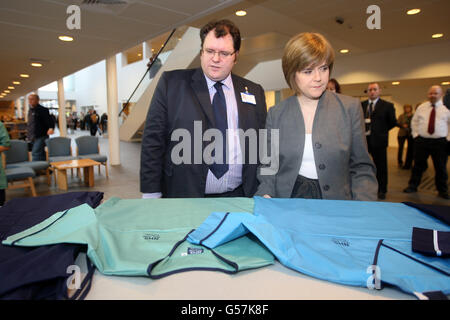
[248, 98]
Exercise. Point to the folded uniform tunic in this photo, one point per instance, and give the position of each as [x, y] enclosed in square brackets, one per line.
[349, 242]
[147, 237]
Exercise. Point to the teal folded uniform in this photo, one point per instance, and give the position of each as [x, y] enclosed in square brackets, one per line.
[148, 237]
[349, 242]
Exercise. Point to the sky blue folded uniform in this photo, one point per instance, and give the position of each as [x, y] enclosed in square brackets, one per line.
[349, 242]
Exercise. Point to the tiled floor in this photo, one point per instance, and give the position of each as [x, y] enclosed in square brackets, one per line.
[123, 180]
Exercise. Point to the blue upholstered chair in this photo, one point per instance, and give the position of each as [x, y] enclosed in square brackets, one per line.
[21, 174]
[88, 148]
[18, 156]
[58, 149]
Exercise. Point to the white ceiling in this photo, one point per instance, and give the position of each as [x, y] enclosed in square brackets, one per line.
[29, 29]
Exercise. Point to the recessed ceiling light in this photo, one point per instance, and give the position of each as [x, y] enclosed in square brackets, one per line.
[6, 91]
[396, 83]
[241, 13]
[11, 87]
[23, 75]
[437, 35]
[16, 82]
[344, 51]
[65, 38]
[413, 11]
[445, 83]
[36, 64]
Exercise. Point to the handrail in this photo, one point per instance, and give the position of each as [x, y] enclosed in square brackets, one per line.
[148, 69]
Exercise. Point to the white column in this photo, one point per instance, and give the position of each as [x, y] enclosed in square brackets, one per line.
[113, 110]
[18, 107]
[62, 109]
[26, 107]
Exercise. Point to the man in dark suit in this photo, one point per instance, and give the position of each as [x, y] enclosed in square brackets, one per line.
[380, 118]
[193, 101]
[40, 125]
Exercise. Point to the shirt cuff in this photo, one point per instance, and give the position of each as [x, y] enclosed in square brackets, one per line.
[154, 195]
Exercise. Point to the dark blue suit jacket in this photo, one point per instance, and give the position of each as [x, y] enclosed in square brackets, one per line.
[182, 97]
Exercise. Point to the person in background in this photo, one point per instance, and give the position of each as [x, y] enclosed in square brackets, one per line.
[430, 130]
[379, 118]
[446, 99]
[40, 126]
[334, 86]
[404, 134]
[104, 122]
[93, 123]
[87, 120]
[322, 146]
[4, 145]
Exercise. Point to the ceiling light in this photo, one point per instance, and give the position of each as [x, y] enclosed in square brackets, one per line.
[16, 82]
[65, 38]
[23, 75]
[437, 35]
[6, 91]
[241, 13]
[11, 87]
[344, 51]
[445, 83]
[396, 83]
[413, 11]
[139, 54]
[36, 64]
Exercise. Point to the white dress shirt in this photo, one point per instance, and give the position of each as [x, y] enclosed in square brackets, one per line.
[233, 177]
[419, 122]
[308, 166]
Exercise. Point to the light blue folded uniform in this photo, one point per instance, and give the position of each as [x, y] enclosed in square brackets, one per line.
[349, 242]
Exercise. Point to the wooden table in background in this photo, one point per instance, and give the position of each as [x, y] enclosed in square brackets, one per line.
[61, 171]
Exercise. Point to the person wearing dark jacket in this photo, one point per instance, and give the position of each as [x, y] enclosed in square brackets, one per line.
[40, 125]
[210, 97]
[379, 118]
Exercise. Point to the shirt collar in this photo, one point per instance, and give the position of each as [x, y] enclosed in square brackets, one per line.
[374, 101]
[437, 104]
[227, 82]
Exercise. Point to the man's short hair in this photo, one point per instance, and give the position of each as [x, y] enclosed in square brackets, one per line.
[222, 28]
[304, 50]
[34, 94]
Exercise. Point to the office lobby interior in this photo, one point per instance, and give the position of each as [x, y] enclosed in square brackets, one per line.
[81, 56]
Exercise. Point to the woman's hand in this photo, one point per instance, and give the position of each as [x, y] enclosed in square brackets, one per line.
[267, 196]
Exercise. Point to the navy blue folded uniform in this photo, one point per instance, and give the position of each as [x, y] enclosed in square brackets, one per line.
[440, 212]
[431, 242]
[40, 272]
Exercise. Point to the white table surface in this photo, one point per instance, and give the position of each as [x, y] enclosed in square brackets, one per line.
[274, 282]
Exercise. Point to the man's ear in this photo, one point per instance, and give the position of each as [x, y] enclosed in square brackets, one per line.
[236, 56]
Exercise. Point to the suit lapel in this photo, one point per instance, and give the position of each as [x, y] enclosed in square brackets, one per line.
[200, 89]
[242, 108]
[297, 128]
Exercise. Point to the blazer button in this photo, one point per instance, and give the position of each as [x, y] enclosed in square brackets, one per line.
[326, 187]
[318, 145]
[322, 166]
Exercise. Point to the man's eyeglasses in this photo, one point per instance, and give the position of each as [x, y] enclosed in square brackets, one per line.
[223, 54]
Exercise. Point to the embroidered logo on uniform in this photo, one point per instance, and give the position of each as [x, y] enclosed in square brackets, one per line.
[341, 242]
[151, 236]
[194, 251]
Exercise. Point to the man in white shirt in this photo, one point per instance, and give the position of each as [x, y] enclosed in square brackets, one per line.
[430, 130]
